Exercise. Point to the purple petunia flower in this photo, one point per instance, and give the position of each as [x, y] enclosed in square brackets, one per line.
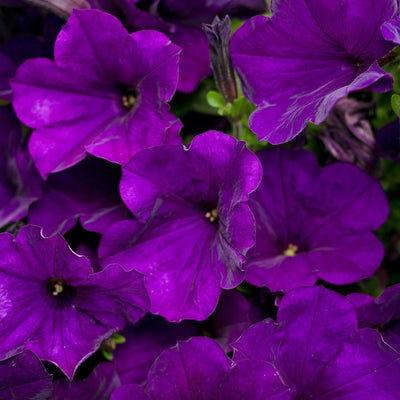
[105, 94]
[52, 304]
[153, 334]
[88, 191]
[99, 385]
[24, 377]
[146, 340]
[193, 226]
[314, 222]
[295, 65]
[387, 141]
[181, 21]
[384, 314]
[318, 351]
[20, 184]
[199, 369]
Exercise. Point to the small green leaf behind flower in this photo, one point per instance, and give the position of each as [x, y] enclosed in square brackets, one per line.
[109, 345]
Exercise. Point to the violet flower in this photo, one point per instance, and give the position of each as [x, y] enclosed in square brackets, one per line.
[314, 223]
[153, 334]
[295, 65]
[12, 54]
[318, 351]
[99, 385]
[193, 225]
[145, 341]
[199, 369]
[24, 377]
[383, 314]
[387, 143]
[105, 94]
[88, 191]
[52, 304]
[181, 21]
[20, 184]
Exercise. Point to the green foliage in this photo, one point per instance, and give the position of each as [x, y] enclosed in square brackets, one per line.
[395, 100]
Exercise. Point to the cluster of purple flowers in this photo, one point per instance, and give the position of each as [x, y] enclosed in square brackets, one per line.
[141, 259]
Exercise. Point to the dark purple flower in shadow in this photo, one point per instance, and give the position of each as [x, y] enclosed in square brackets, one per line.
[181, 21]
[199, 369]
[88, 191]
[295, 65]
[193, 226]
[99, 385]
[105, 94]
[24, 377]
[151, 335]
[53, 304]
[20, 184]
[12, 54]
[383, 314]
[314, 222]
[318, 351]
[387, 142]
[145, 341]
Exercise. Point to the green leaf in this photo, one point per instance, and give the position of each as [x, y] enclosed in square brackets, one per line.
[118, 338]
[215, 99]
[396, 103]
[108, 355]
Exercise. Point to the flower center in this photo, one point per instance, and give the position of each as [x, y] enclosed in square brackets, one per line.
[60, 289]
[291, 250]
[212, 215]
[57, 286]
[129, 98]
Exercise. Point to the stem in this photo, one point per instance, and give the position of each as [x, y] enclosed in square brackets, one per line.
[237, 128]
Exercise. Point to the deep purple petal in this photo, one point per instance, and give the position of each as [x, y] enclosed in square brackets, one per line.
[146, 340]
[88, 191]
[93, 100]
[255, 380]
[63, 324]
[313, 324]
[314, 223]
[383, 314]
[294, 78]
[186, 289]
[365, 368]
[192, 369]
[130, 392]
[24, 377]
[99, 385]
[20, 184]
[174, 190]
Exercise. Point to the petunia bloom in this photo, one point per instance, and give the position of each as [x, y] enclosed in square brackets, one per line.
[54, 305]
[318, 351]
[383, 314]
[24, 377]
[314, 223]
[199, 369]
[105, 94]
[181, 21]
[99, 385]
[295, 65]
[20, 183]
[193, 226]
[88, 191]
